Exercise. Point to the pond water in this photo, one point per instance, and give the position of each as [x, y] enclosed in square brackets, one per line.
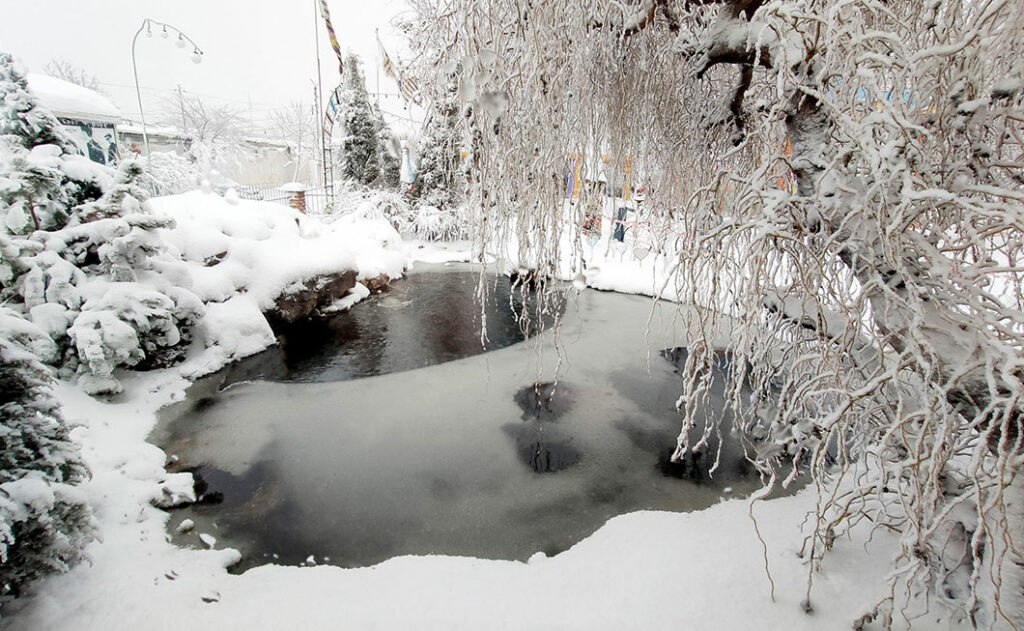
[495, 455]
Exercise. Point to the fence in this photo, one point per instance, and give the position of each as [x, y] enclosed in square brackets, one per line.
[317, 200]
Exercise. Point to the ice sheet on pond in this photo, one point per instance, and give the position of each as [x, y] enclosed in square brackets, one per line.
[451, 459]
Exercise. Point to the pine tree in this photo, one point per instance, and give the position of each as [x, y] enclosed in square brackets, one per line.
[124, 197]
[360, 143]
[438, 176]
[36, 192]
[32, 194]
[20, 115]
[390, 153]
[44, 521]
[60, 238]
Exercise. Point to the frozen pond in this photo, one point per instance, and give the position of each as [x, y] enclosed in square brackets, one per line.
[466, 457]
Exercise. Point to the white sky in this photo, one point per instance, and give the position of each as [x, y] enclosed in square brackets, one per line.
[259, 54]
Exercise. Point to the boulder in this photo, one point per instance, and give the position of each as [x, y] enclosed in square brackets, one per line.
[318, 291]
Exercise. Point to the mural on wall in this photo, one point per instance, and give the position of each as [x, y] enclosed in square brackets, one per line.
[96, 141]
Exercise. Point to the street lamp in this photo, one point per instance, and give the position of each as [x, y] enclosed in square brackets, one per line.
[147, 25]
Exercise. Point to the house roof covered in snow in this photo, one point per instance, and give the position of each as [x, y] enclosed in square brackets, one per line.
[69, 100]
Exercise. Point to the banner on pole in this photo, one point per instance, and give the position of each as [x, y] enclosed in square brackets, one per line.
[409, 87]
[325, 13]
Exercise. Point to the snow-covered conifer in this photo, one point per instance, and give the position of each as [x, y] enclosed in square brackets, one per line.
[390, 153]
[57, 240]
[440, 179]
[45, 521]
[359, 149]
[124, 197]
[21, 117]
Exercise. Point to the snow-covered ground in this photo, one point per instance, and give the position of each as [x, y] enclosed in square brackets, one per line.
[702, 570]
[239, 255]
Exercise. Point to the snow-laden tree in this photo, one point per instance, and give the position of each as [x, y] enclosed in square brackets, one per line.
[45, 521]
[844, 181]
[365, 152]
[440, 178]
[215, 131]
[296, 125]
[64, 69]
[75, 242]
[359, 145]
[21, 119]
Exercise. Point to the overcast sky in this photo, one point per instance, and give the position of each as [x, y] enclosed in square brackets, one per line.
[259, 54]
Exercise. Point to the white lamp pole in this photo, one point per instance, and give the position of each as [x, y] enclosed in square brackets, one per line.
[147, 25]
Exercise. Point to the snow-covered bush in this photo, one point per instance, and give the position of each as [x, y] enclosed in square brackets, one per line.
[168, 173]
[130, 323]
[422, 220]
[75, 238]
[45, 521]
[433, 222]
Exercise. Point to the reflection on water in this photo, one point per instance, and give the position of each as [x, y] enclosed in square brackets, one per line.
[420, 321]
[491, 456]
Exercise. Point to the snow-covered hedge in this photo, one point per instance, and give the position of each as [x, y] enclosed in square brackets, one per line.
[44, 520]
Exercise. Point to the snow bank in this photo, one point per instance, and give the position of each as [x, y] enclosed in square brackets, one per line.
[702, 570]
[230, 331]
[262, 249]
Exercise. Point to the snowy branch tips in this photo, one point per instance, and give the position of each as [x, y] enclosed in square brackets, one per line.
[846, 182]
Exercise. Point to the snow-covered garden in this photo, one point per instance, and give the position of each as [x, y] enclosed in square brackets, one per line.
[814, 208]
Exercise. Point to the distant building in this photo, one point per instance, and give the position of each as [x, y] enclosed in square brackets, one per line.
[88, 117]
[161, 138]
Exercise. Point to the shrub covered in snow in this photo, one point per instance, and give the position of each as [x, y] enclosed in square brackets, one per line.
[44, 521]
[75, 239]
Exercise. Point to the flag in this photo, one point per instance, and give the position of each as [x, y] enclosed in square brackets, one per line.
[409, 87]
[385, 60]
[330, 114]
[325, 13]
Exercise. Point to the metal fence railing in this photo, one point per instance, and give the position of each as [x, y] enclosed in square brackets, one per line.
[317, 198]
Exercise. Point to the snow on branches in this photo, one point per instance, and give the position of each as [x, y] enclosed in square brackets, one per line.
[75, 239]
[45, 521]
[846, 180]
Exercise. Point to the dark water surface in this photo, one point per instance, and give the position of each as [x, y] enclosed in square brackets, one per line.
[427, 319]
[382, 433]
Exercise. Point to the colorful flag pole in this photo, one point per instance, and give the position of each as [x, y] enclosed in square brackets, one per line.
[325, 13]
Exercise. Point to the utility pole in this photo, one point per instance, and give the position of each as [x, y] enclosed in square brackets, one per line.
[318, 133]
[317, 91]
[252, 124]
[376, 32]
[181, 104]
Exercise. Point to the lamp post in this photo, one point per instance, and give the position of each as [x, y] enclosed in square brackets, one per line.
[147, 25]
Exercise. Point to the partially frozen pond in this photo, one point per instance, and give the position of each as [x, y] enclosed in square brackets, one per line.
[466, 457]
